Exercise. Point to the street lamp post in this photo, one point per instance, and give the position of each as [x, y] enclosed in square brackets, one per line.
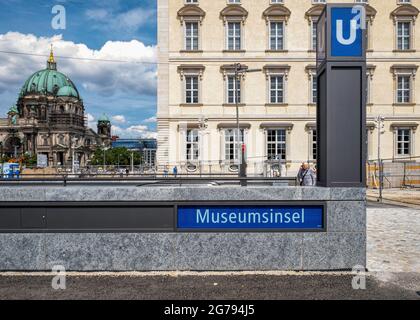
[132, 162]
[239, 70]
[202, 127]
[104, 149]
[380, 126]
[72, 153]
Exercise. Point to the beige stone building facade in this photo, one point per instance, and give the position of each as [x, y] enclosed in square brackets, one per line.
[200, 40]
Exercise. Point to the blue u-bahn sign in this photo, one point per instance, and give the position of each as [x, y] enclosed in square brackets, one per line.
[251, 217]
[346, 32]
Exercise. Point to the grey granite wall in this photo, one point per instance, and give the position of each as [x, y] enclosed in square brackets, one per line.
[342, 247]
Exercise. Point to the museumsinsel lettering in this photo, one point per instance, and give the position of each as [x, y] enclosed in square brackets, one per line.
[251, 217]
[246, 217]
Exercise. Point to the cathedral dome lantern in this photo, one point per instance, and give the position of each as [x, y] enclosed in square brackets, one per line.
[51, 64]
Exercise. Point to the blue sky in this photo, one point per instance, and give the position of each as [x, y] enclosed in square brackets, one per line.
[111, 29]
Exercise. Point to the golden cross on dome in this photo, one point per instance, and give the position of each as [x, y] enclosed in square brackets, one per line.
[51, 59]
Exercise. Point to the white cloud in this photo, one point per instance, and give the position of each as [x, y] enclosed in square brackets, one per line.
[119, 119]
[150, 120]
[136, 131]
[97, 14]
[91, 121]
[90, 117]
[105, 78]
[128, 21]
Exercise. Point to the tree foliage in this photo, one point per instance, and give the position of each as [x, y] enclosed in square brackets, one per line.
[114, 156]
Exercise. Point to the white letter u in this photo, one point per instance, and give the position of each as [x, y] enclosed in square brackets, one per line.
[340, 37]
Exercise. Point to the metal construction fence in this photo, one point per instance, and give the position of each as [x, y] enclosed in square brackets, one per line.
[401, 173]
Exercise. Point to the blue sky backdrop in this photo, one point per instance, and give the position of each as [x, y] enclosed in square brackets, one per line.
[123, 32]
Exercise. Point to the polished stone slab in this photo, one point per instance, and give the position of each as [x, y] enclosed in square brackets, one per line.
[334, 251]
[196, 193]
[183, 252]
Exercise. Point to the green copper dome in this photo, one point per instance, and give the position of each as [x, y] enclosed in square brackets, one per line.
[13, 109]
[50, 82]
[103, 118]
[67, 91]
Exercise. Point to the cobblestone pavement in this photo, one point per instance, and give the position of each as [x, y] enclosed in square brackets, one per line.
[407, 196]
[393, 239]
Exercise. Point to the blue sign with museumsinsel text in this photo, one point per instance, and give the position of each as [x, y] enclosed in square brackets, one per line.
[250, 217]
[346, 33]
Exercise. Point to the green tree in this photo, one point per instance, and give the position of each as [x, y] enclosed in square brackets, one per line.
[29, 160]
[113, 155]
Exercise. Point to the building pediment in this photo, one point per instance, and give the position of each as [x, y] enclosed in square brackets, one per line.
[222, 126]
[412, 125]
[234, 11]
[59, 147]
[230, 69]
[277, 11]
[405, 10]
[404, 67]
[276, 69]
[276, 125]
[197, 69]
[191, 12]
[315, 11]
[370, 11]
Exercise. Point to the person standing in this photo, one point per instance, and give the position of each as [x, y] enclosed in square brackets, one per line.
[175, 171]
[306, 176]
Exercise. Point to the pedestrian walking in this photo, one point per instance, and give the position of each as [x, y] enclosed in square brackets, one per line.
[306, 176]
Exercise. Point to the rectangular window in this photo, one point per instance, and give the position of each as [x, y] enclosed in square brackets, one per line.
[276, 144]
[233, 145]
[191, 89]
[277, 89]
[314, 145]
[233, 92]
[234, 36]
[403, 142]
[404, 89]
[314, 34]
[403, 35]
[191, 36]
[276, 36]
[368, 88]
[192, 143]
[314, 89]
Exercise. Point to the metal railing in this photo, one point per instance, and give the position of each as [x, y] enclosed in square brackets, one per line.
[145, 180]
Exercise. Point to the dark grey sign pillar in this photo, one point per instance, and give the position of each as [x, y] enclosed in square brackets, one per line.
[341, 106]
